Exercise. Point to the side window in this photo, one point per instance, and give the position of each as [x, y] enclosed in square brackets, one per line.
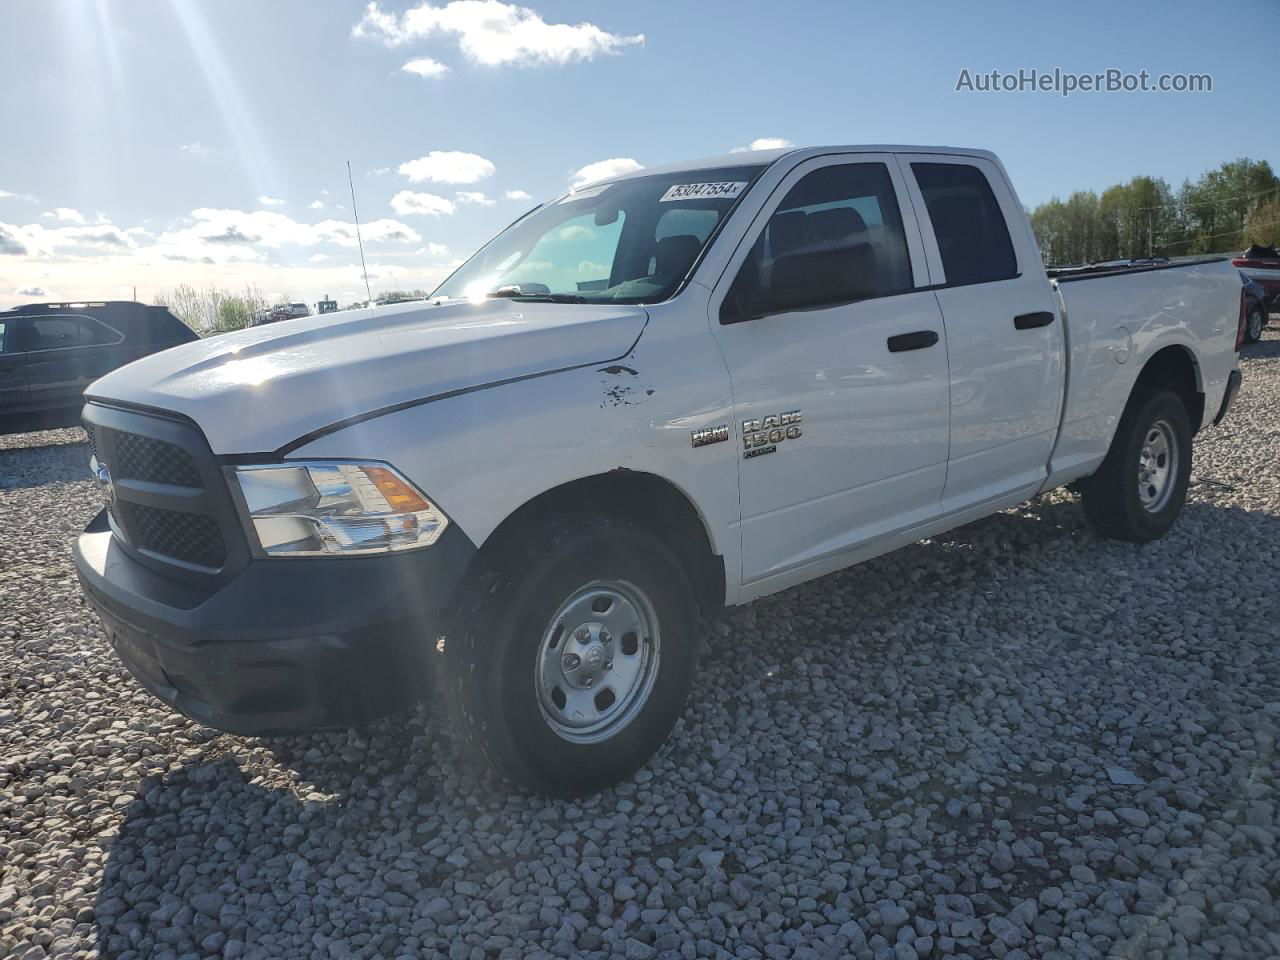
[972, 235]
[837, 237]
[93, 333]
[52, 333]
[3, 339]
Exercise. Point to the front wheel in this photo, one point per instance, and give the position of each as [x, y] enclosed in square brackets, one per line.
[1140, 488]
[571, 657]
[1255, 323]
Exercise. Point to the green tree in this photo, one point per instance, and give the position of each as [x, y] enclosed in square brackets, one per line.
[1264, 224]
[1217, 207]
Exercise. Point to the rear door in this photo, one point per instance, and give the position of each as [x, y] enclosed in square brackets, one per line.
[13, 373]
[66, 353]
[840, 404]
[1004, 335]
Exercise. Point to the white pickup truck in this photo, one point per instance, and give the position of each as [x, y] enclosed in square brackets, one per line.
[675, 390]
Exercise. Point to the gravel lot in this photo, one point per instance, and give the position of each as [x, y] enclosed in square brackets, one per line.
[1017, 740]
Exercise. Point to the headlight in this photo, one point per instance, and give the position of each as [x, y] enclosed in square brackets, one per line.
[334, 508]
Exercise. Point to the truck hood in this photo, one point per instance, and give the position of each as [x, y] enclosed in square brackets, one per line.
[259, 389]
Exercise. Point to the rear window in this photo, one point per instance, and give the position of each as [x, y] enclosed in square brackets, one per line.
[972, 235]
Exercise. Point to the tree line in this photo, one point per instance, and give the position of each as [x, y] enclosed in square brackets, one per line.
[1223, 211]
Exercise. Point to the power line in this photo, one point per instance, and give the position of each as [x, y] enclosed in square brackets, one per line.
[1210, 203]
[1212, 236]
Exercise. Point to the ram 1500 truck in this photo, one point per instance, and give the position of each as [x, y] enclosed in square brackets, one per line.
[676, 390]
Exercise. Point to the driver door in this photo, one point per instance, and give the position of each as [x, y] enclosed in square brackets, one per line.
[839, 370]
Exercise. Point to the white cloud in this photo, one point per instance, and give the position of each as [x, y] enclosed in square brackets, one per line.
[222, 236]
[65, 214]
[195, 148]
[492, 33]
[447, 166]
[379, 171]
[30, 292]
[472, 196]
[408, 202]
[603, 170]
[317, 204]
[764, 143]
[10, 243]
[267, 201]
[9, 195]
[224, 247]
[434, 250]
[37, 240]
[518, 195]
[425, 67]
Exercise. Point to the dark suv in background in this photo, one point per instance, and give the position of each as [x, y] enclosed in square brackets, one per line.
[49, 352]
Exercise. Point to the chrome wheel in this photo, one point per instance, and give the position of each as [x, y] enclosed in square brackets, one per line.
[1157, 467]
[597, 661]
[1257, 323]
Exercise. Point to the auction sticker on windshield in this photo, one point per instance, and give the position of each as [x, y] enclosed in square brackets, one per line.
[700, 191]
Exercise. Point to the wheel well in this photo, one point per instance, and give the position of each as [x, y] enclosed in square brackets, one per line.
[1174, 368]
[644, 499]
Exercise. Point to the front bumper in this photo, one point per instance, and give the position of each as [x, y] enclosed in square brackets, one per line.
[285, 646]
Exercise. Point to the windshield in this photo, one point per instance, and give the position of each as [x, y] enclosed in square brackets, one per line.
[627, 242]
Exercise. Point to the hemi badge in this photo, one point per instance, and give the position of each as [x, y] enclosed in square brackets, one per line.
[708, 435]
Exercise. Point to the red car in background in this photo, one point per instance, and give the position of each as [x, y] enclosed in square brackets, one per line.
[1262, 264]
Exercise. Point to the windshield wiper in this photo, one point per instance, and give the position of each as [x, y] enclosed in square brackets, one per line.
[515, 293]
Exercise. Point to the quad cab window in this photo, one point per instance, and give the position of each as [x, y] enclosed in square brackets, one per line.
[972, 235]
[633, 241]
[836, 237]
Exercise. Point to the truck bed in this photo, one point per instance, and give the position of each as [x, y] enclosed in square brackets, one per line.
[1124, 315]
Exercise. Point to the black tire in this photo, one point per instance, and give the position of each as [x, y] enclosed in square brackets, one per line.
[1113, 503]
[1255, 323]
[492, 654]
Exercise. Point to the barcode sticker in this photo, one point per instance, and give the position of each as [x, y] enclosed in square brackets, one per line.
[701, 191]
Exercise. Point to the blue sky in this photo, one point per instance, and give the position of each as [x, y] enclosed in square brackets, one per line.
[155, 142]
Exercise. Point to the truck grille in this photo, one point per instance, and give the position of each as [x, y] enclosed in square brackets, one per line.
[189, 537]
[155, 461]
[168, 501]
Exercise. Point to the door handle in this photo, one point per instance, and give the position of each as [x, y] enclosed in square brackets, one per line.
[1029, 321]
[912, 341]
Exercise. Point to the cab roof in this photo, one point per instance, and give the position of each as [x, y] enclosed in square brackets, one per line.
[746, 158]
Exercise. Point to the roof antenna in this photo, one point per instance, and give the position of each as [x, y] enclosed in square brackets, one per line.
[355, 213]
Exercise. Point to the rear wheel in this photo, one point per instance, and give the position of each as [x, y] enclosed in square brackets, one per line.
[1255, 323]
[1140, 488]
[571, 658]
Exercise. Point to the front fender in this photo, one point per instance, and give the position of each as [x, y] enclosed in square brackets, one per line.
[482, 455]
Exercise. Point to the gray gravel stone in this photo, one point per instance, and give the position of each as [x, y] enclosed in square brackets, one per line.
[1051, 746]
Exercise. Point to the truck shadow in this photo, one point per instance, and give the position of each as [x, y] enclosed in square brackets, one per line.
[258, 838]
[1267, 349]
